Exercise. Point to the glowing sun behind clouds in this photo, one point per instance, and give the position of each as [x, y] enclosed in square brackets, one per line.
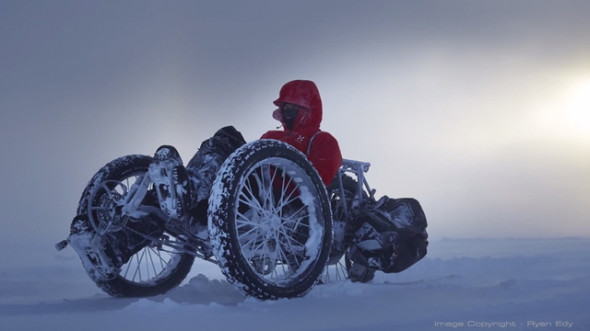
[564, 115]
[578, 106]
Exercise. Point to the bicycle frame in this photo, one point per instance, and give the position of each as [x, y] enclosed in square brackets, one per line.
[136, 195]
[358, 168]
[187, 242]
[137, 192]
[133, 208]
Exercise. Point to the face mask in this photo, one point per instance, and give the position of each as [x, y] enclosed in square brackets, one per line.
[290, 113]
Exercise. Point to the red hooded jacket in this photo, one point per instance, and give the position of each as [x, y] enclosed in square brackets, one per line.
[321, 148]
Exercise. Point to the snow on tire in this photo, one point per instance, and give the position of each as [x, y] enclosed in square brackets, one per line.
[151, 270]
[270, 221]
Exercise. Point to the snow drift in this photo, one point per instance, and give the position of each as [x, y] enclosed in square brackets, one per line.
[463, 284]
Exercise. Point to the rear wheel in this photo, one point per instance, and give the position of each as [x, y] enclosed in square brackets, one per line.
[269, 221]
[147, 266]
[340, 266]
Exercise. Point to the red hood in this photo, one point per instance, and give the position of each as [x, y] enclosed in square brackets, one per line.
[303, 93]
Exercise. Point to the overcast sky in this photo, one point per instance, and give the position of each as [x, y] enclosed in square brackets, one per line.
[479, 109]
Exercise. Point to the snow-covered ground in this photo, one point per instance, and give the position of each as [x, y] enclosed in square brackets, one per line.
[518, 284]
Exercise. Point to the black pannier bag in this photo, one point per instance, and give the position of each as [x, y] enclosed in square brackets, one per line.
[392, 236]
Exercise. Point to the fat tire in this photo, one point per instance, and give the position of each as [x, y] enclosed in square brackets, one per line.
[223, 228]
[119, 169]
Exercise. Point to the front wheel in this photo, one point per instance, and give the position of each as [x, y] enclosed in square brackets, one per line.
[270, 222]
[149, 266]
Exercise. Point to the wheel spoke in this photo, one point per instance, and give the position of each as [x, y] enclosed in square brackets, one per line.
[295, 249]
[336, 272]
[280, 252]
[266, 185]
[252, 203]
[294, 217]
[147, 265]
[126, 270]
[246, 235]
[250, 199]
[291, 251]
[151, 251]
[138, 268]
[264, 205]
[163, 263]
[287, 197]
[257, 246]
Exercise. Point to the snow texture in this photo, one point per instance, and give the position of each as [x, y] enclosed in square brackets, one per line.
[467, 284]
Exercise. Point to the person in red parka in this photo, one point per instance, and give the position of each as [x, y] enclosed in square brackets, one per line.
[300, 113]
